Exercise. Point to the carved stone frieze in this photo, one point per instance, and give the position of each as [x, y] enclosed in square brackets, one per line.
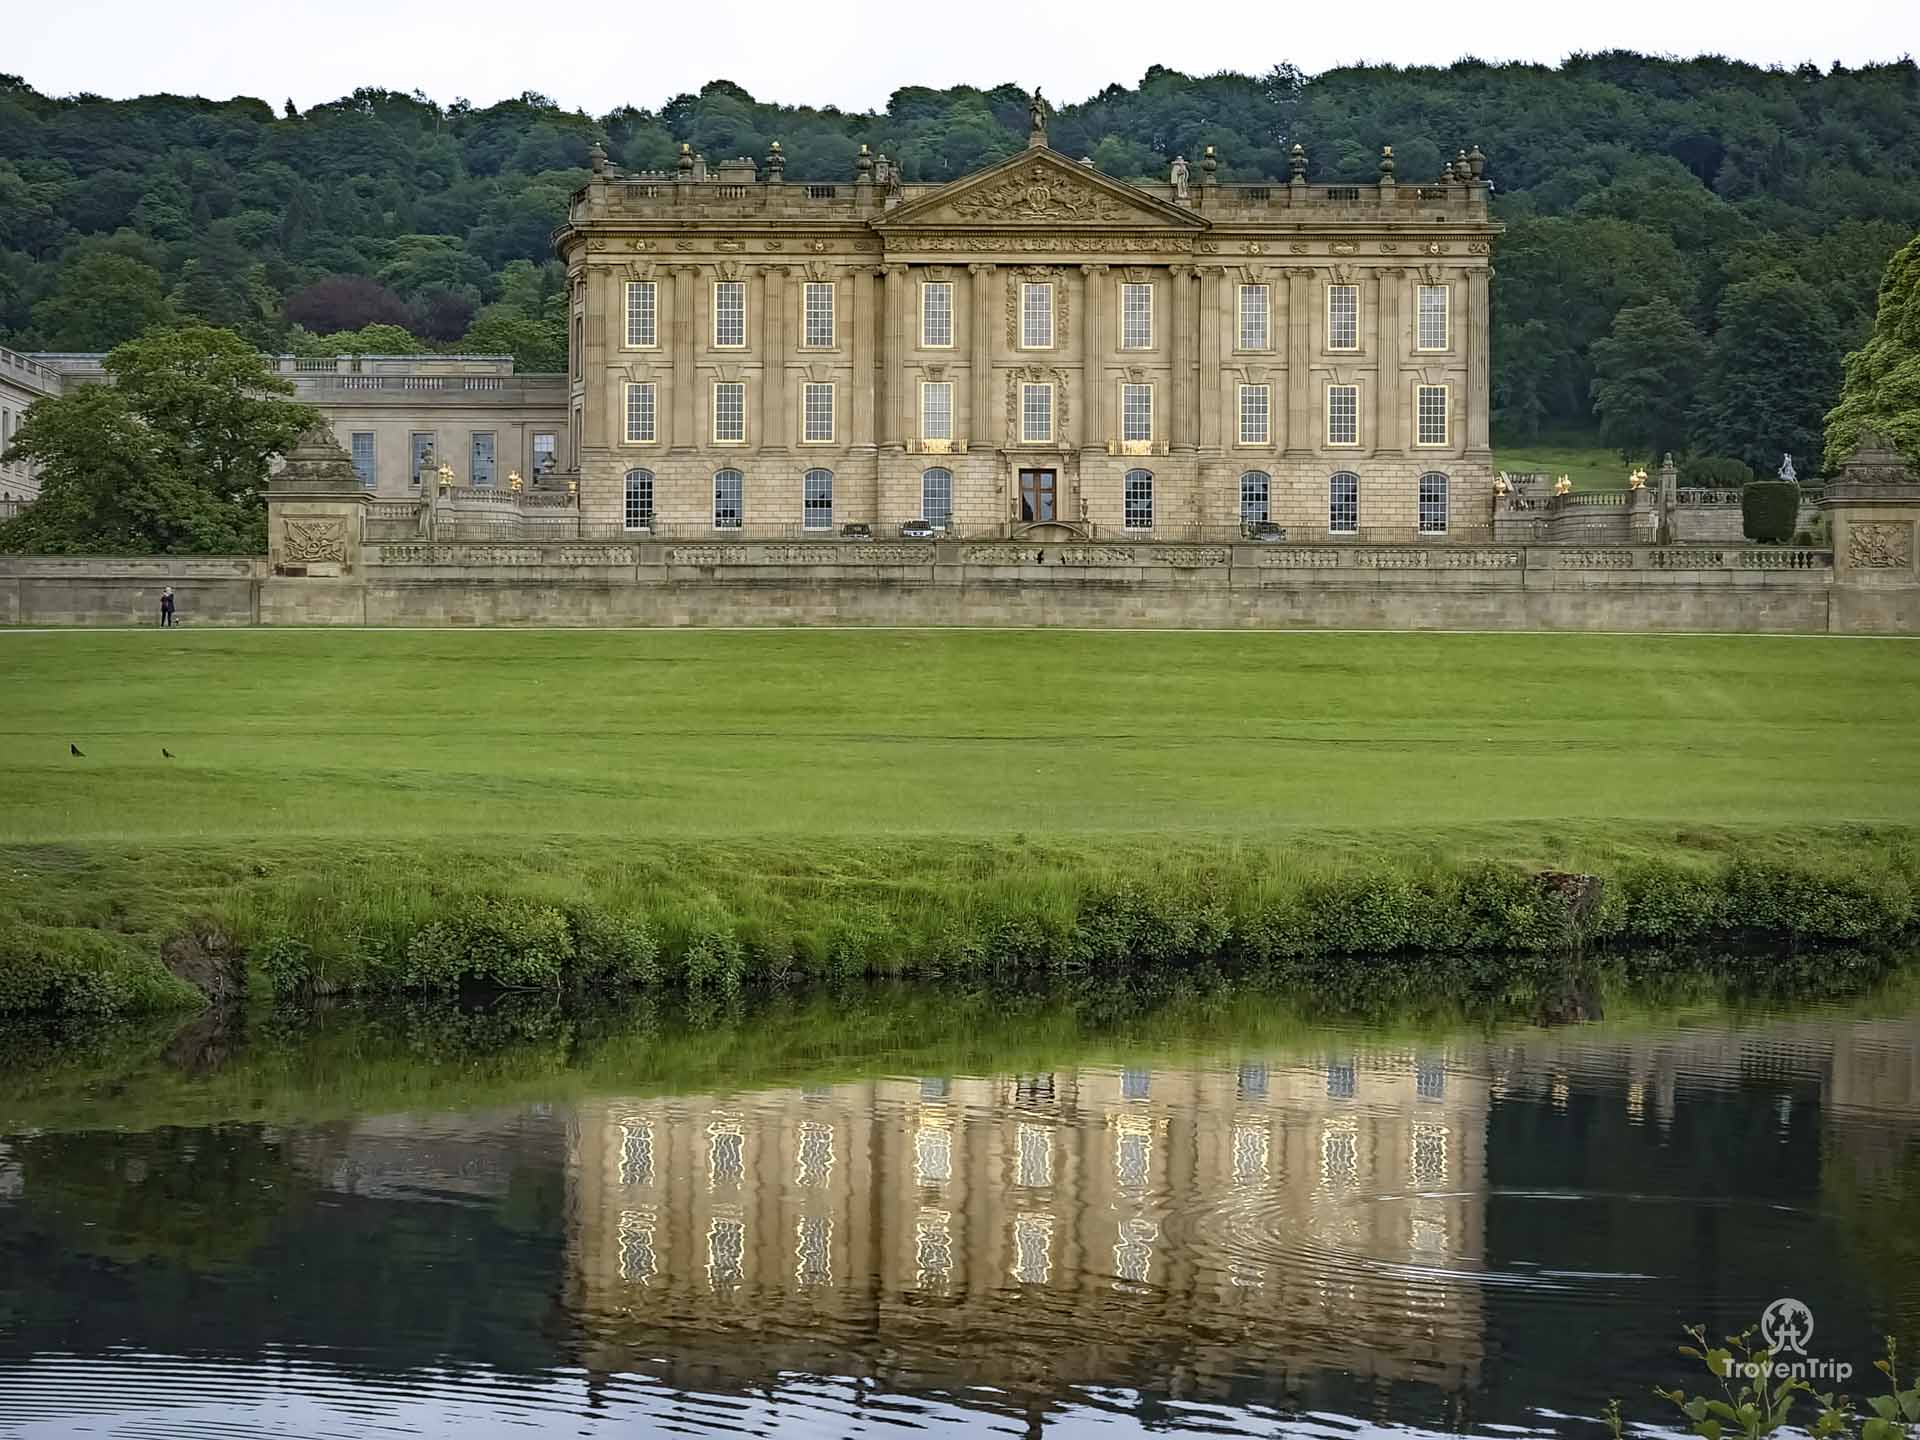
[1877, 545]
[315, 541]
[999, 555]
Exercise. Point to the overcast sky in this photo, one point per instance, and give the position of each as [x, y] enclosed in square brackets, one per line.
[854, 53]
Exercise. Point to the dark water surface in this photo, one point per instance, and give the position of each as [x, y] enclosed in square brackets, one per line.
[871, 1213]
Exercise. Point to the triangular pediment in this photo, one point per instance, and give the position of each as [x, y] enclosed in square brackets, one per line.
[1039, 187]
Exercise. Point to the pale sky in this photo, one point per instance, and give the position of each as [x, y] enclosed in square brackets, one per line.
[853, 53]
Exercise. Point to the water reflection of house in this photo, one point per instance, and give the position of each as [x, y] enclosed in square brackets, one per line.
[1107, 1225]
[455, 1155]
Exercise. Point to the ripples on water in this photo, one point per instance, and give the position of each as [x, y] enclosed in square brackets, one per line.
[1340, 1236]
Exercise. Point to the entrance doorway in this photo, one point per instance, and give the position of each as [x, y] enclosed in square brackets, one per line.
[1037, 489]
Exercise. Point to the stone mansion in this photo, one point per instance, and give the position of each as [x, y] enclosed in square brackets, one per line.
[1033, 345]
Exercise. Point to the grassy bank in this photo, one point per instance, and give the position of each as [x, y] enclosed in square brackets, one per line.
[372, 810]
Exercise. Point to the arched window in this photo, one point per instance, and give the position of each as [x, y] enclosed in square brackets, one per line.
[639, 510]
[1343, 503]
[729, 499]
[936, 497]
[1433, 503]
[1138, 495]
[816, 500]
[1256, 490]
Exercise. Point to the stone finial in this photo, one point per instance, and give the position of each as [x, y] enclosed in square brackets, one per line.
[1297, 163]
[1086, 162]
[1476, 163]
[863, 166]
[597, 157]
[776, 164]
[685, 162]
[316, 462]
[1461, 171]
[1386, 163]
[1209, 167]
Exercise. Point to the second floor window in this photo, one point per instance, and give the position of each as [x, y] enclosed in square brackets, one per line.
[424, 460]
[730, 412]
[642, 314]
[1254, 408]
[1136, 317]
[1343, 317]
[480, 475]
[1036, 315]
[730, 314]
[1254, 334]
[936, 314]
[1136, 412]
[936, 410]
[1036, 414]
[363, 457]
[818, 303]
[1343, 414]
[1433, 327]
[817, 402]
[1430, 415]
[640, 414]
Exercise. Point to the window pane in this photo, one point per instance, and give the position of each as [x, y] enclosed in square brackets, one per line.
[728, 505]
[936, 497]
[936, 411]
[639, 499]
[1343, 317]
[1036, 315]
[1136, 412]
[1255, 488]
[1433, 503]
[819, 313]
[819, 412]
[363, 457]
[1036, 412]
[1343, 414]
[1136, 317]
[936, 313]
[817, 500]
[1433, 317]
[640, 414]
[641, 312]
[545, 451]
[730, 313]
[1343, 503]
[1139, 500]
[481, 470]
[1253, 317]
[1432, 410]
[1253, 414]
[424, 461]
[730, 411]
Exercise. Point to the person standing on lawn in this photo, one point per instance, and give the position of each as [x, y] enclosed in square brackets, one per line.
[166, 606]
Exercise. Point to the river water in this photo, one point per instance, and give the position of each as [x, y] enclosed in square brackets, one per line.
[869, 1213]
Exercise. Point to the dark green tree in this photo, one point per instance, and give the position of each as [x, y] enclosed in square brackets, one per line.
[1882, 387]
[1773, 373]
[99, 300]
[1644, 378]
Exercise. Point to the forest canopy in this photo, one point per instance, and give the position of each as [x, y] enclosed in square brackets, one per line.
[1705, 205]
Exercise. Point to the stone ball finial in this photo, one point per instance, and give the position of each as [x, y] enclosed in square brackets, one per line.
[1386, 162]
[776, 161]
[1297, 161]
[1209, 165]
[863, 163]
[685, 161]
[1476, 163]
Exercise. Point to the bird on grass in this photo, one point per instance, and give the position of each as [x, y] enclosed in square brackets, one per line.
[73, 749]
[166, 752]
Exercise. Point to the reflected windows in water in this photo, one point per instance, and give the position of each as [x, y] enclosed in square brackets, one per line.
[1340, 1079]
[1251, 1082]
[1033, 1089]
[1135, 1084]
[637, 1259]
[726, 1155]
[813, 1251]
[1430, 1079]
[1428, 1163]
[1032, 1248]
[933, 1154]
[932, 1248]
[1251, 1146]
[726, 1252]
[1339, 1156]
[1133, 1251]
[1033, 1155]
[935, 1087]
[1132, 1156]
[815, 1166]
[636, 1153]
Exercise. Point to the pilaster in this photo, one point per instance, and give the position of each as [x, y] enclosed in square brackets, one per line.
[1182, 431]
[1479, 382]
[1388, 436]
[1299, 360]
[686, 283]
[866, 374]
[980, 282]
[1213, 310]
[893, 431]
[774, 431]
[1096, 305]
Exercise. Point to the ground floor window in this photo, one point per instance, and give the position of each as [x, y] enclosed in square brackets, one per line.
[1433, 503]
[817, 500]
[936, 497]
[424, 460]
[639, 500]
[1256, 490]
[544, 452]
[363, 457]
[729, 502]
[1343, 503]
[1139, 500]
[480, 474]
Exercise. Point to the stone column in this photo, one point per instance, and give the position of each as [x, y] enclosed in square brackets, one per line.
[1213, 309]
[1299, 360]
[893, 432]
[596, 369]
[1479, 381]
[980, 366]
[866, 376]
[1095, 427]
[1387, 434]
[774, 431]
[686, 282]
[1181, 431]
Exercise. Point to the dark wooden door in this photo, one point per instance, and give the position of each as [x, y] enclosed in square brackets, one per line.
[1036, 494]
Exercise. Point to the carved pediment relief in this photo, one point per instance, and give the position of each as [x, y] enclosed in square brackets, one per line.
[1038, 187]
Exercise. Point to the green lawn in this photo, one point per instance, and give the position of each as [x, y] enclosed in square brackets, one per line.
[865, 734]
[1580, 457]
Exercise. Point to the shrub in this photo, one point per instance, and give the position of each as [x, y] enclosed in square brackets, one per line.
[617, 949]
[1768, 509]
[1715, 472]
[84, 972]
[508, 942]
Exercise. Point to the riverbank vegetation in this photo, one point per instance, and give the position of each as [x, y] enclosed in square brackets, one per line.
[310, 813]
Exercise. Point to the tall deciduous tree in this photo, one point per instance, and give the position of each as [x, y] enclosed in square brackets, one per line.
[101, 299]
[1882, 388]
[1644, 378]
[1773, 374]
[171, 457]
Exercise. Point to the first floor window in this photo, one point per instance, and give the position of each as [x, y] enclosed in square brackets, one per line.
[546, 453]
[729, 503]
[363, 457]
[1254, 334]
[1254, 406]
[1136, 412]
[817, 500]
[1343, 414]
[1136, 317]
[1343, 503]
[936, 410]
[1431, 331]
[817, 403]
[1343, 317]
[1036, 315]
[1256, 490]
[936, 314]
[640, 414]
[481, 474]
[1139, 500]
[642, 314]
[639, 499]
[730, 314]
[936, 497]
[817, 305]
[729, 411]
[1036, 414]
[1430, 412]
[1433, 503]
